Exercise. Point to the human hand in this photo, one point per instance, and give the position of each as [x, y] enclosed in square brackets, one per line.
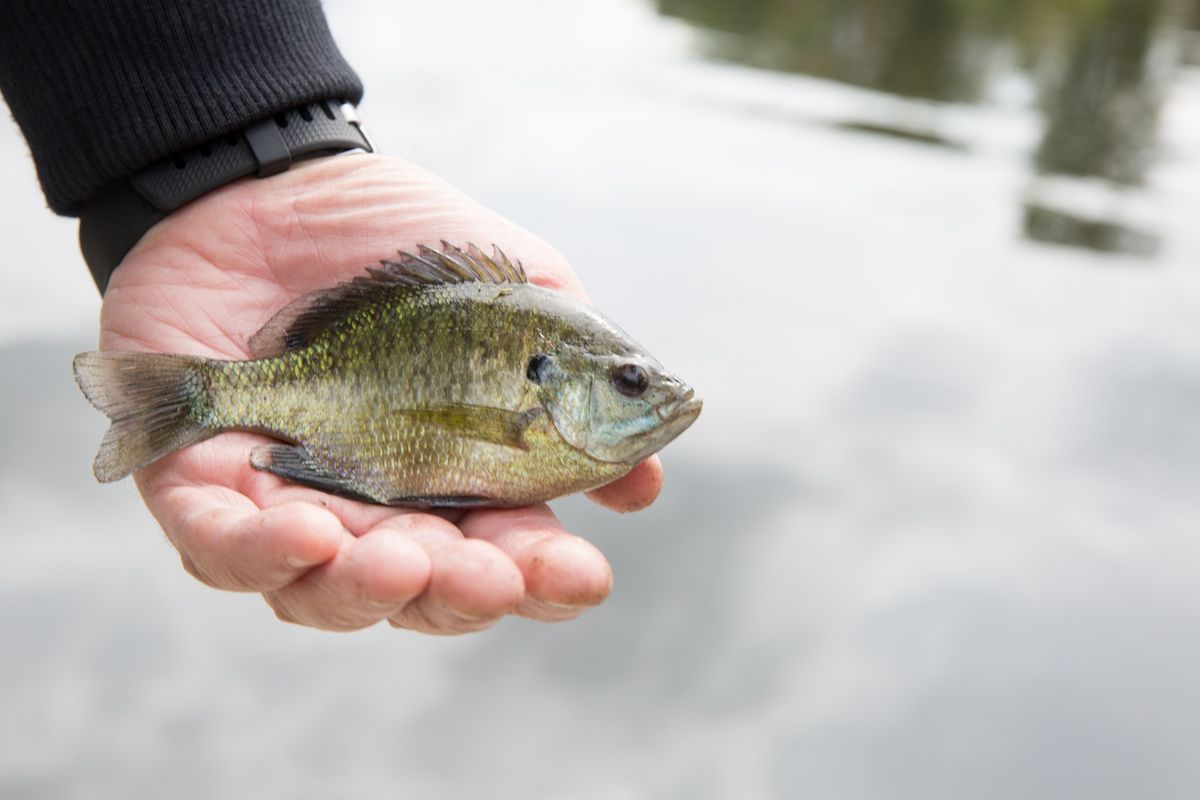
[205, 279]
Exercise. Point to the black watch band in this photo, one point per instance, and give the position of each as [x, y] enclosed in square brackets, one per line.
[113, 221]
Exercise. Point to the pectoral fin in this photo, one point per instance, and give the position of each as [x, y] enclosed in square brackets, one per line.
[485, 424]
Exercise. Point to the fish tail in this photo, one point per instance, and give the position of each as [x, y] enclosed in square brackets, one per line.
[153, 400]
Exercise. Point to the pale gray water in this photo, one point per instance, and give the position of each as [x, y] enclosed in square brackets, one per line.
[935, 535]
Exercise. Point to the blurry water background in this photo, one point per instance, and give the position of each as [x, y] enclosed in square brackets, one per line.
[934, 266]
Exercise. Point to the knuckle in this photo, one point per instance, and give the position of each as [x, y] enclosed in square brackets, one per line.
[237, 579]
[190, 568]
[282, 613]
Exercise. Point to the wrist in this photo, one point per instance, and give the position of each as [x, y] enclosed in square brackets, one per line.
[113, 221]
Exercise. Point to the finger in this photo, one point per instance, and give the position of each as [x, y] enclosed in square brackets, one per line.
[563, 574]
[371, 578]
[357, 516]
[633, 492]
[472, 583]
[235, 546]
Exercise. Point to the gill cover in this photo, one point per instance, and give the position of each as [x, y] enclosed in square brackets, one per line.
[580, 394]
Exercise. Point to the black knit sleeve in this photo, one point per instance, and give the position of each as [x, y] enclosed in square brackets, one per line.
[103, 89]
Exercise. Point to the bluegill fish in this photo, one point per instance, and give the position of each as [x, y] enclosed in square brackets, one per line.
[439, 379]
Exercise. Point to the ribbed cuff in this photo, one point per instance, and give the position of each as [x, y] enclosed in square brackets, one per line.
[103, 89]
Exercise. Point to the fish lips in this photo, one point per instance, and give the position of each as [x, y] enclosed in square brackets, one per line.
[686, 408]
[676, 416]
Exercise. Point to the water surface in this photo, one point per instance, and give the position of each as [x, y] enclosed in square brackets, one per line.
[933, 264]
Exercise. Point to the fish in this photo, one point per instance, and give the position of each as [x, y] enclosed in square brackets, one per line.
[439, 379]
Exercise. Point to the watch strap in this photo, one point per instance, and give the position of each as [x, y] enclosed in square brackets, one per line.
[113, 221]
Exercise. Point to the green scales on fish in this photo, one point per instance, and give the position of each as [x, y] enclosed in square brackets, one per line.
[439, 379]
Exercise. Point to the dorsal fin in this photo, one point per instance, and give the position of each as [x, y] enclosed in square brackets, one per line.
[452, 265]
[299, 322]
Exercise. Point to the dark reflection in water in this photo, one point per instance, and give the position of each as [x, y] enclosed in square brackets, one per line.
[1102, 110]
[906, 132]
[1097, 65]
[933, 49]
[1044, 224]
[1101, 120]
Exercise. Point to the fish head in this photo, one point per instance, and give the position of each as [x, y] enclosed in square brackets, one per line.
[618, 407]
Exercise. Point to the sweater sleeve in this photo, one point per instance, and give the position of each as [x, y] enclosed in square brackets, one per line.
[103, 89]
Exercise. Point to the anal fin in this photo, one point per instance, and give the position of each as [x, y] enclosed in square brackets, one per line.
[292, 462]
[442, 501]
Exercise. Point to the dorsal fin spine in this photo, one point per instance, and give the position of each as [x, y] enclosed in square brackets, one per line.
[301, 321]
[456, 259]
[429, 258]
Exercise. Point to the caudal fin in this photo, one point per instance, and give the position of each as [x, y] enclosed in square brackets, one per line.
[150, 399]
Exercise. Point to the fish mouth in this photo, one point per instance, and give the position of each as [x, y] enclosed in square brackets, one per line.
[674, 418]
[688, 405]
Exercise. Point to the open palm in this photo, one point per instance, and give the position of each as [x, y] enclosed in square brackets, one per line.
[205, 279]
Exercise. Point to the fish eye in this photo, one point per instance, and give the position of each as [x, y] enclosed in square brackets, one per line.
[536, 364]
[631, 380]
